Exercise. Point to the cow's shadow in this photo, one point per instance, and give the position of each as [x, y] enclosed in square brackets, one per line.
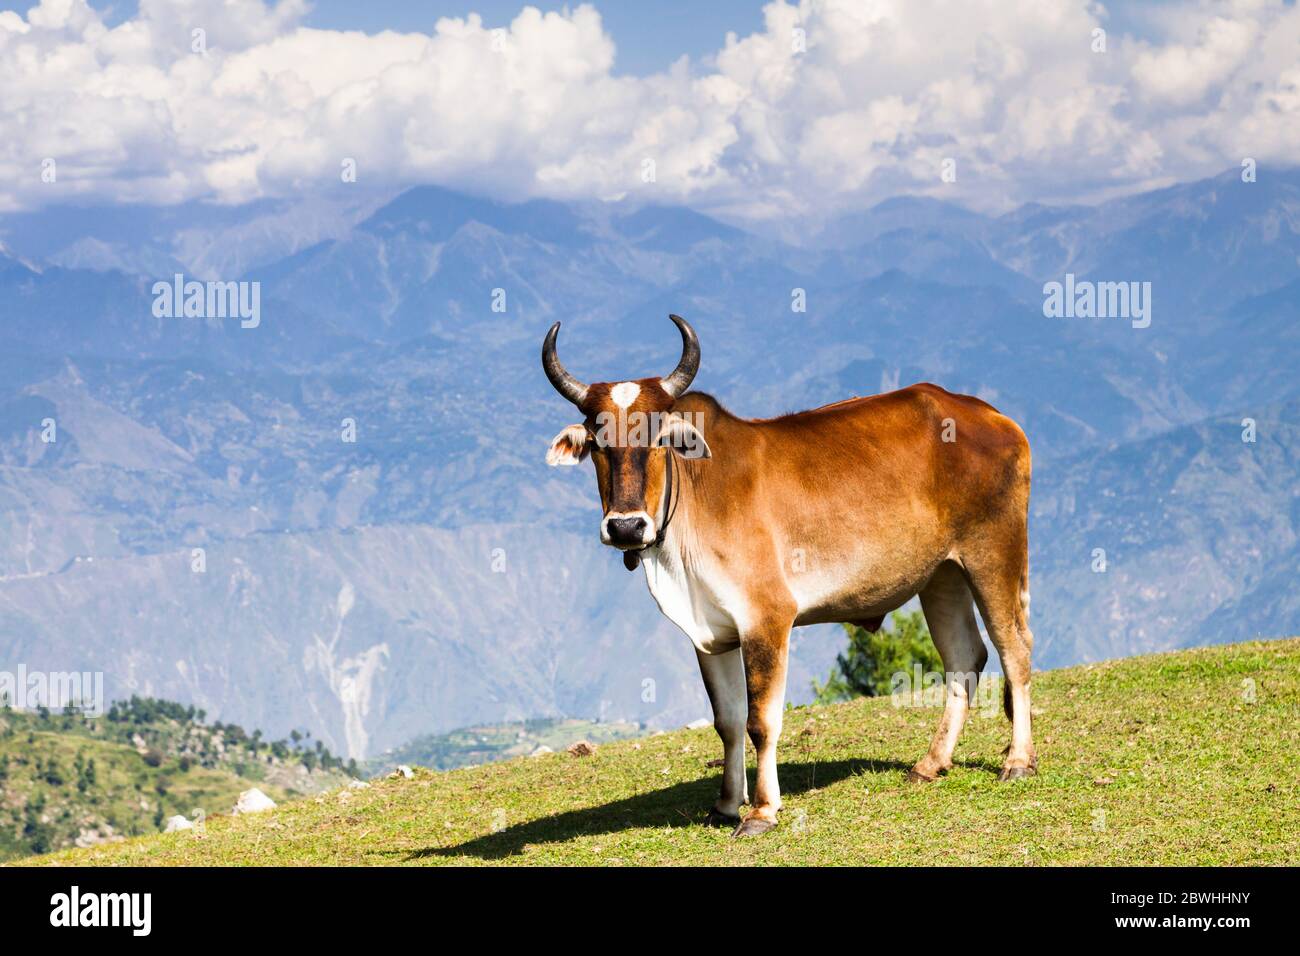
[680, 805]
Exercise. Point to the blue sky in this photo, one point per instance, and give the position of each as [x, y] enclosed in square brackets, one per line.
[650, 34]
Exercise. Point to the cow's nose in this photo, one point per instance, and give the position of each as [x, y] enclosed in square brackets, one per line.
[626, 530]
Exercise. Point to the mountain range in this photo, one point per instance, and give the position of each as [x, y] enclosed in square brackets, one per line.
[202, 529]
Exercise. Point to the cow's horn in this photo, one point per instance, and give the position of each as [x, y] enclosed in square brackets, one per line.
[678, 382]
[564, 383]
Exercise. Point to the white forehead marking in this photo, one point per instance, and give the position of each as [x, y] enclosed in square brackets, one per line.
[624, 393]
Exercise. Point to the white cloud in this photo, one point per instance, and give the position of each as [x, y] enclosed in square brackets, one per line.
[885, 91]
[1183, 74]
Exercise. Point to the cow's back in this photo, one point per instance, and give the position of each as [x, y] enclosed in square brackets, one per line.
[853, 505]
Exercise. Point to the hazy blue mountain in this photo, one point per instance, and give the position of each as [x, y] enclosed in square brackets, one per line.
[202, 239]
[434, 573]
[1251, 355]
[1204, 245]
[1199, 531]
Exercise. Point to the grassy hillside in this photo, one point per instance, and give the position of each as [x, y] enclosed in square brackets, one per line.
[68, 780]
[1183, 758]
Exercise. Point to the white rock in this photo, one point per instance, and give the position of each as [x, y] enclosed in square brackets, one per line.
[699, 724]
[403, 771]
[253, 801]
[178, 823]
[541, 749]
[358, 785]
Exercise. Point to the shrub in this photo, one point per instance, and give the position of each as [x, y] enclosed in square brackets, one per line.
[868, 664]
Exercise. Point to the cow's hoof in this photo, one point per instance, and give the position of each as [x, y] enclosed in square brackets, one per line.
[916, 776]
[1017, 773]
[753, 826]
[719, 819]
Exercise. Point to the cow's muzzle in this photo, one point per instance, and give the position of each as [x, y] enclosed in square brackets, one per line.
[627, 530]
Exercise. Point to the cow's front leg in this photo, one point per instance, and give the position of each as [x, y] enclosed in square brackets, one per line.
[765, 649]
[724, 679]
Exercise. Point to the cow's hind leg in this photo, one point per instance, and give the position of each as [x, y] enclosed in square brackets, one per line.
[949, 610]
[724, 679]
[1001, 592]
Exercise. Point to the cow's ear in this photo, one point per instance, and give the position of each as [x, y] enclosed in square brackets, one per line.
[569, 447]
[683, 438]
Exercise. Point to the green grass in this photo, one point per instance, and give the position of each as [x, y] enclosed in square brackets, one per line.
[50, 800]
[125, 796]
[1151, 760]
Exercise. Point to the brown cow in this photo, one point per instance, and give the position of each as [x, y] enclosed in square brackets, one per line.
[748, 527]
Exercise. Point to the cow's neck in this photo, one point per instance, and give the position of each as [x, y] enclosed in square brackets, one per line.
[685, 504]
[690, 587]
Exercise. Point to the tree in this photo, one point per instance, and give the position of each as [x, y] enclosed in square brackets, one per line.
[37, 834]
[53, 774]
[868, 665]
